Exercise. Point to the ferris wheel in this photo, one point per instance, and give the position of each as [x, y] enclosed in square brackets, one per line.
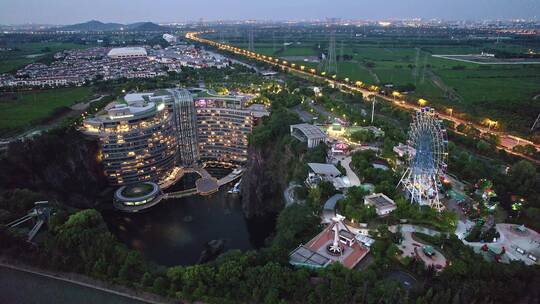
[428, 164]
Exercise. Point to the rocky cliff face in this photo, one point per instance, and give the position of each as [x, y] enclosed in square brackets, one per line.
[62, 164]
[265, 179]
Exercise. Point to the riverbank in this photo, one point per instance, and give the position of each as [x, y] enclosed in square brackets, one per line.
[21, 283]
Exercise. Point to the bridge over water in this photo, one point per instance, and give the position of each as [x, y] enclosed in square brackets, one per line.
[204, 175]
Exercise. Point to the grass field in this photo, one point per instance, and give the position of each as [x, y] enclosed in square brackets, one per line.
[501, 92]
[13, 60]
[20, 110]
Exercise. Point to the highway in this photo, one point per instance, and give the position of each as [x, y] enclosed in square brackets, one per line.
[508, 141]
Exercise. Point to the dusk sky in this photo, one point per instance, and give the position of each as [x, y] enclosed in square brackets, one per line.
[125, 11]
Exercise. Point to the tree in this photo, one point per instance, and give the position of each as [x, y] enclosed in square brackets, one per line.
[295, 224]
[483, 146]
[19, 201]
[133, 267]
[522, 177]
[362, 136]
[146, 280]
[160, 286]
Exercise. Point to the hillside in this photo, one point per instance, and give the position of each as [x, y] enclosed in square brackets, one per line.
[94, 26]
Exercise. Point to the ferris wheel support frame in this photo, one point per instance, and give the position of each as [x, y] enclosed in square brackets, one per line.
[423, 187]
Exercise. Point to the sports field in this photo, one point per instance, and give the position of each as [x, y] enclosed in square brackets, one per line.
[20, 110]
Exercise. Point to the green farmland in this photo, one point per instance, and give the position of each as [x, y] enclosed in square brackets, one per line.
[501, 92]
[20, 110]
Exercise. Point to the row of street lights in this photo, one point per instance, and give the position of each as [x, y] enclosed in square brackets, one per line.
[285, 64]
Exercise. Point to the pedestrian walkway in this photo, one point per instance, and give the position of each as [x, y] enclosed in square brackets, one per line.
[346, 162]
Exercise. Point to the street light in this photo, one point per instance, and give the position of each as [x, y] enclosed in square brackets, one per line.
[422, 102]
[490, 123]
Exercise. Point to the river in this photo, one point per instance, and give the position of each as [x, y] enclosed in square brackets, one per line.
[175, 231]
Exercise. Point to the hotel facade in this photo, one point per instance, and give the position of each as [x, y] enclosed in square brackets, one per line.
[137, 141]
[145, 135]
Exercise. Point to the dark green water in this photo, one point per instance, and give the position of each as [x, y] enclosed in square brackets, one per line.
[175, 231]
[18, 287]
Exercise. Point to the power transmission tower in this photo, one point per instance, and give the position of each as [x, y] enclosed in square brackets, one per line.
[424, 69]
[536, 123]
[341, 50]
[274, 41]
[221, 37]
[330, 65]
[416, 66]
[250, 41]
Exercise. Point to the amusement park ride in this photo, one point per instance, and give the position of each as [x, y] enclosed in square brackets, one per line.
[427, 166]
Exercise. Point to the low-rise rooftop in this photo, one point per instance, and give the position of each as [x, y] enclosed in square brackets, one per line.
[324, 169]
[310, 131]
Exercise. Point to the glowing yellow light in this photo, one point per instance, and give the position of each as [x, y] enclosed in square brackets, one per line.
[422, 102]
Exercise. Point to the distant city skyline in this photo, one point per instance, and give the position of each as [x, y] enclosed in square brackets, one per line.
[126, 11]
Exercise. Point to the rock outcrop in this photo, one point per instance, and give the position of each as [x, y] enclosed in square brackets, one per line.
[62, 164]
[265, 179]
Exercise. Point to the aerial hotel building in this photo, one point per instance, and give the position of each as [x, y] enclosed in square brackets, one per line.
[224, 125]
[137, 140]
[146, 135]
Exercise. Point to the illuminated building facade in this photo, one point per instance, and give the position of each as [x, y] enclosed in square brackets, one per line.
[223, 134]
[183, 109]
[137, 140]
[223, 127]
[145, 137]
